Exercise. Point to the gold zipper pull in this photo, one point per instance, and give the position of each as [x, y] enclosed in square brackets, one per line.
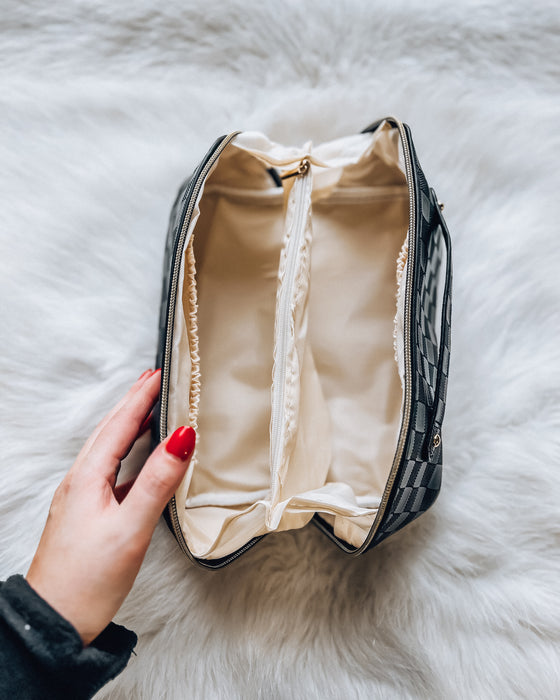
[301, 169]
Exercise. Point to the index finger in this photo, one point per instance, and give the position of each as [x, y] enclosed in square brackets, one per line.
[119, 432]
[103, 422]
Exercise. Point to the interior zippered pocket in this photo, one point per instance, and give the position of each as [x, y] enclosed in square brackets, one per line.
[293, 281]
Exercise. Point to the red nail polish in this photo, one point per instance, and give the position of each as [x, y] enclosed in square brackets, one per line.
[144, 373]
[181, 443]
[122, 490]
[146, 424]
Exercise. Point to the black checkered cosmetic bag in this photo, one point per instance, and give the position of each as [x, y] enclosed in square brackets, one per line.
[304, 334]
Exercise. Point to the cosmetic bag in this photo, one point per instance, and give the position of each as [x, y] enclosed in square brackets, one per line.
[304, 334]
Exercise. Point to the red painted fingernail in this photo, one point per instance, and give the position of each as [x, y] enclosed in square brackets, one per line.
[122, 490]
[144, 373]
[146, 424]
[181, 443]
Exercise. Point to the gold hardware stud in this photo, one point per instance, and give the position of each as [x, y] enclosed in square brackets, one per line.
[440, 205]
[436, 442]
[301, 169]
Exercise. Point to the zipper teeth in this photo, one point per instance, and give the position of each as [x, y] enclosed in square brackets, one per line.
[172, 506]
[279, 378]
[175, 277]
[188, 553]
[172, 509]
[407, 354]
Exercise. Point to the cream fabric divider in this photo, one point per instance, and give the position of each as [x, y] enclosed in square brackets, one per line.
[346, 393]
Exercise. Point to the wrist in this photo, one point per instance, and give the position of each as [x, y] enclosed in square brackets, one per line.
[59, 601]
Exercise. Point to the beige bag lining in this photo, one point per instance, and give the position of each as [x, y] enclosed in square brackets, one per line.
[341, 389]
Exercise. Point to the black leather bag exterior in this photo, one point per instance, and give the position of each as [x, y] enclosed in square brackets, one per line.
[417, 481]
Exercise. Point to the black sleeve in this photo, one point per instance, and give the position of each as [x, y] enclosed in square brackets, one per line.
[42, 655]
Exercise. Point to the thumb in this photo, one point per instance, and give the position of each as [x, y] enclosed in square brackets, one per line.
[160, 478]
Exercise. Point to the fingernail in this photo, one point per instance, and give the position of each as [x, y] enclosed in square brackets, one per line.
[122, 490]
[181, 443]
[144, 373]
[146, 424]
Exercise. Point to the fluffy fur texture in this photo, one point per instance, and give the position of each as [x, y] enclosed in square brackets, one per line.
[104, 109]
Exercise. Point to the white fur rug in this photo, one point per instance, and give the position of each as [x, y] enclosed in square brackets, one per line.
[104, 109]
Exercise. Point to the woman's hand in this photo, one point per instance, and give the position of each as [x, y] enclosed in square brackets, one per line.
[96, 535]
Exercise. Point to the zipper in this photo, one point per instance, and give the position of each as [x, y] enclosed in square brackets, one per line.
[302, 168]
[407, 407]
[195, 190]
[296, 234]
[407, 350]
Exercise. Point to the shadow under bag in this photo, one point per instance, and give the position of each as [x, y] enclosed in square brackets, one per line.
[304, 334]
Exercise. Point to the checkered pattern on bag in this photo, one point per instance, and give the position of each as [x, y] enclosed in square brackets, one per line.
[430, 264]
[418, 479]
